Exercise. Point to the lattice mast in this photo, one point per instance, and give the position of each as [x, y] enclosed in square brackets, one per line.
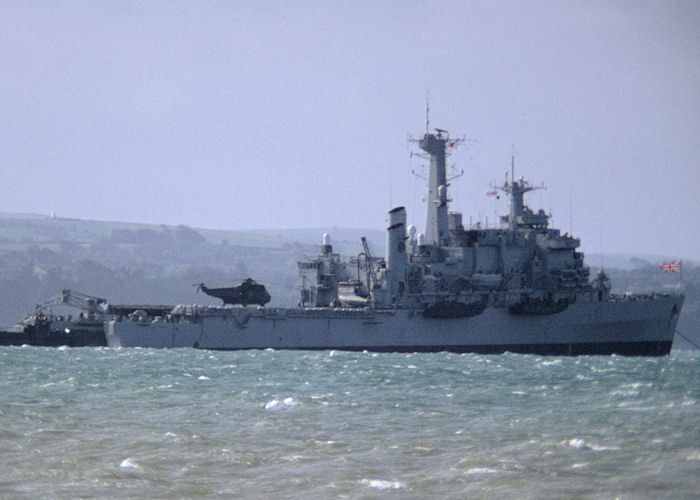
[435, 145]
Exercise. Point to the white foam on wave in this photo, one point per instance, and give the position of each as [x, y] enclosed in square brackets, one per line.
[203, 377]
[274, 403]
[556, 362]
[582, 444]
[481, 471]
[596, 447]
[129, 463]
[578, 443]
[382, 484]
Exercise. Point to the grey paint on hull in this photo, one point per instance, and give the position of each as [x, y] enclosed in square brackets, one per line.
[636, 328]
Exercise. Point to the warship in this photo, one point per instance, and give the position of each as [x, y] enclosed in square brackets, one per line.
[519, 287]
[44, 328]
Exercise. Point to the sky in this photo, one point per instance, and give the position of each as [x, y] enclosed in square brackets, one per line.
[265, 115]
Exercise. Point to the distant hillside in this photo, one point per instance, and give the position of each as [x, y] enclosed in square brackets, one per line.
[628, 261]
[338, 235]
[22, 229]
[128, 262]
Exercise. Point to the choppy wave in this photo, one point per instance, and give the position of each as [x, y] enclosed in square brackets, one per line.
[186, 423]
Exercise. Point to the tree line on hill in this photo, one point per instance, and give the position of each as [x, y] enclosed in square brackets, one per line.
[142, 266]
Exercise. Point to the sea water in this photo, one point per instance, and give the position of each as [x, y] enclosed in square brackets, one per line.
[185, 423]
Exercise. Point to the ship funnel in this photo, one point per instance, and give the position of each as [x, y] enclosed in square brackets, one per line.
[396, 251]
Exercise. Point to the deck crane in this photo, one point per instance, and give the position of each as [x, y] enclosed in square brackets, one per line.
[372, 281]
[94, 306]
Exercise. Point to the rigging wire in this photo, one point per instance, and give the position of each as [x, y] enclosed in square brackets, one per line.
[687, 339]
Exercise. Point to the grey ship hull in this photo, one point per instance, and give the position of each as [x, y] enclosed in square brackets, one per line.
[534, 280]
[639, 328]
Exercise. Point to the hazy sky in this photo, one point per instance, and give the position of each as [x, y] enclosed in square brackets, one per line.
[295, 114]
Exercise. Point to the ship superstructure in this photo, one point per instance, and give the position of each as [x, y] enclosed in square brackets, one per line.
[523, 261]
[521, 286]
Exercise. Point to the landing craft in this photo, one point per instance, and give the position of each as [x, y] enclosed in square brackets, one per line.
[44, 328]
